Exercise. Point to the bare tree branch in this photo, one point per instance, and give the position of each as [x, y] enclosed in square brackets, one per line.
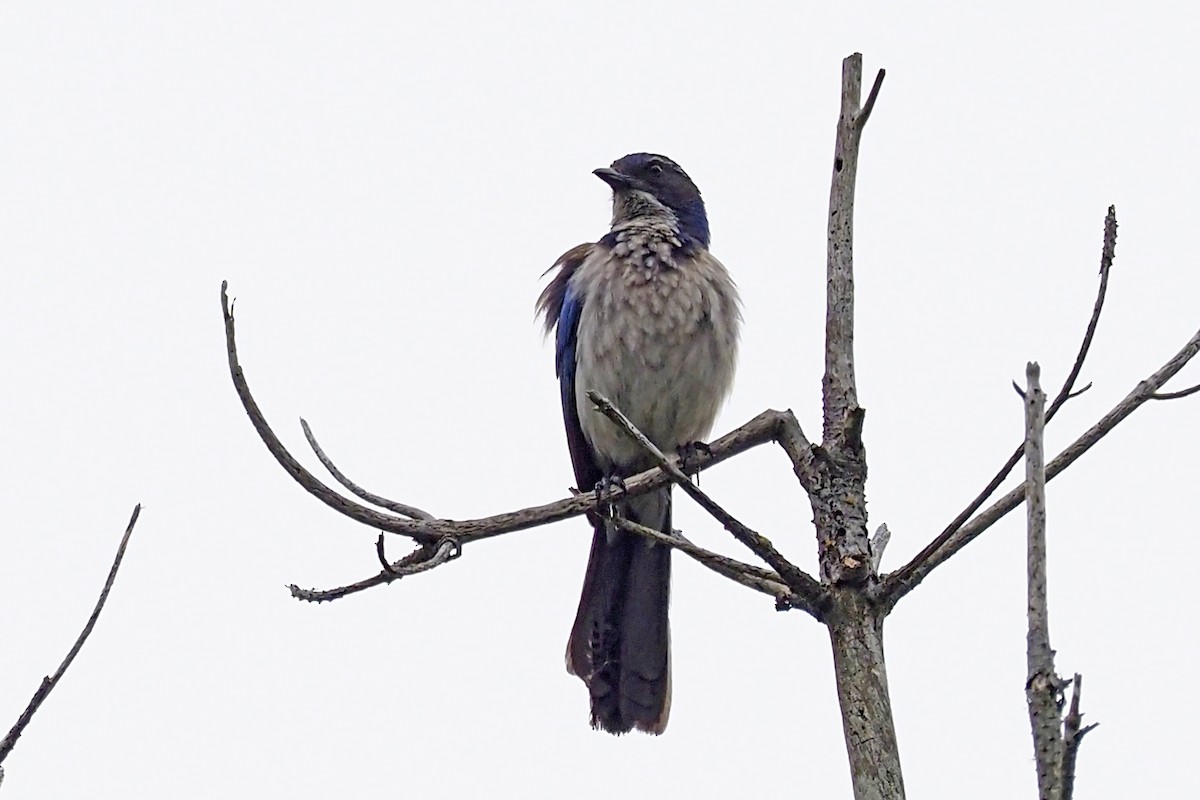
[900, 583]
[423, 559]
[758, 544]
[802, 453]
[839, 501]
[1073, 732]
[860, 120]
[1107, 254]
[1176, 395]
[1043, 687]
[48, 684]
[402, 509]
[766, 427]
[838, 492]
[381, 555]
[748, 575]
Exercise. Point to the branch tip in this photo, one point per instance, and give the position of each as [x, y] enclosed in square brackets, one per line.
[48, 684]
[861, 120]
[1176, 395]
[403, 509]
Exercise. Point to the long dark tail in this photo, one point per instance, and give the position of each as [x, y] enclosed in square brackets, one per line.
[620, 643]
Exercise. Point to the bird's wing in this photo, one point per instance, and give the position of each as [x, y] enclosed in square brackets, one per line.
[560, 307]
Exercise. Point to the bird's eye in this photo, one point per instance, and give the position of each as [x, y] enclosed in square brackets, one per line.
[656, 169]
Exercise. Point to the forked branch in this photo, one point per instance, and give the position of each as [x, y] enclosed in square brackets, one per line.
[766, 427]
[960, 531]
[760, 545]
[1108, 252]
[900, 583]
[441, 540]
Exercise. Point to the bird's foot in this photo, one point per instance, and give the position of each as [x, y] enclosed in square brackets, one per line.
[688, 454]
[603, 486]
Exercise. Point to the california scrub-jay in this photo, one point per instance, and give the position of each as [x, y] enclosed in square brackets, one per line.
[649, 319]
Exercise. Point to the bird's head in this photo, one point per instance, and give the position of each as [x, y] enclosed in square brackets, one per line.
[645, 184]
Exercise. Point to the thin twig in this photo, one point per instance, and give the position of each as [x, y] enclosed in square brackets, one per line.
[1043, 689]
[900, 583]
[48, 684]
[861, 120]
[1073, 735]
[879, 543]
[1108, 251]
[758, 544]
[748, 575]
[1077, 392]
[1176, 395]
[422, 559]
[381, 554]
[1107, 254]
[403, 509]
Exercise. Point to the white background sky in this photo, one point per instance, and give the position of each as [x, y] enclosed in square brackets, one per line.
[382, 185]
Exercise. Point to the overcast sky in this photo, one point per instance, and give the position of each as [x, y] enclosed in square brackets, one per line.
[383, 185]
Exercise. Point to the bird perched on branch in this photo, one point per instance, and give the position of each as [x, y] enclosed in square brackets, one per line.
[649, 319]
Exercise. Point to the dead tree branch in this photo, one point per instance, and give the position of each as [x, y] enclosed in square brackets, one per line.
[748, 575]
[839, 502]
[432, 535]
[804, 456]
[1176, 395]
[1073, 732]
[1043, 687]
[402, 509]
[900, 583]
[766, 427]
[48, 684]
[760, 545]
[1055, 738]
[838, 492]
[423, 559]
[903, 576]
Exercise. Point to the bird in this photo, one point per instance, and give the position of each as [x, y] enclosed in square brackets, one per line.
[649, 318]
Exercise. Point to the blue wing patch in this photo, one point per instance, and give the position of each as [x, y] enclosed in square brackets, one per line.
[561, 307]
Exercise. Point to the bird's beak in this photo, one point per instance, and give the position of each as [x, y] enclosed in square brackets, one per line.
[617, 180]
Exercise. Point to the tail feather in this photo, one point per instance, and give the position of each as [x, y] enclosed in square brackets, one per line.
[620, 643]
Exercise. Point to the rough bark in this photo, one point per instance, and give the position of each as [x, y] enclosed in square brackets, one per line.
[1043, 689]
[839, 508]
[838, 497]
[856, 633]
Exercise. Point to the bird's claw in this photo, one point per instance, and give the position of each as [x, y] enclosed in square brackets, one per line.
[689, 453]
[606, 484]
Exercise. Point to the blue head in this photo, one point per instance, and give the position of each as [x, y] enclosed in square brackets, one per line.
[645, 184]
